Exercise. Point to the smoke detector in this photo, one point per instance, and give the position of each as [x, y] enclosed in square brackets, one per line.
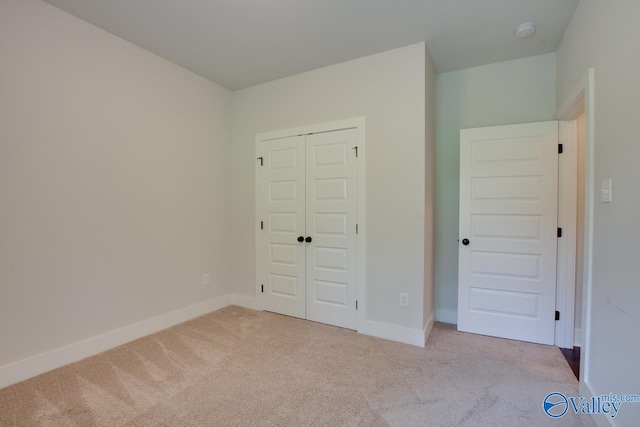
[526, 30]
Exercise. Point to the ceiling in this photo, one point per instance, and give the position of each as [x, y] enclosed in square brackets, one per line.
[241, 43]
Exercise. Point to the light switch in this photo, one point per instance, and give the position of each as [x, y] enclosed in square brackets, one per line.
[605, 191]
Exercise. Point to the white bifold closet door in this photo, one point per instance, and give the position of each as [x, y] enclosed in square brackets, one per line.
[309, 201]
[284, 222]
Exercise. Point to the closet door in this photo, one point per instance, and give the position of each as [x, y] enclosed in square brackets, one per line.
[283, 247]
[331, 212]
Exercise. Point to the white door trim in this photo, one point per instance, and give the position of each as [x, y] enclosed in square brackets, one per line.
[359, 125]
[567, 220]
[581, 99]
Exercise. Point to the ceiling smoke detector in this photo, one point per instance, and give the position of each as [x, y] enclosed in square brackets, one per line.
[526, 30]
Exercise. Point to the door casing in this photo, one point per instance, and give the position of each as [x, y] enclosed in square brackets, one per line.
[582, 100]
[567, 220]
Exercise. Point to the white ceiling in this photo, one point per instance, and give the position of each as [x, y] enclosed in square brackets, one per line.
[241, 43]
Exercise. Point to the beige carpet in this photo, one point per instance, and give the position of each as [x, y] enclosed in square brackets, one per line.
[239, 367]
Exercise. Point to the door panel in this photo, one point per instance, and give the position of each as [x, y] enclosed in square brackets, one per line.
[283, 180]
[508, 211]
[331, 209]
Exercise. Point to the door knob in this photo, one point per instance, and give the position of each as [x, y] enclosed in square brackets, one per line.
[300, 239]
[308, 239]
[465, 242]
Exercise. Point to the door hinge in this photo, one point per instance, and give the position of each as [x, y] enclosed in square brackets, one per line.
[356, 304]
[559, 232]
[356, 228]
[261, 160]
[262, 288]
[557, 315]
[560, 148]
[356, 148]
[261, 225]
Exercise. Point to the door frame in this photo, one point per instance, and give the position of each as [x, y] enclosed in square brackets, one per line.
[582, 99]
[358, 124]
[567, 221]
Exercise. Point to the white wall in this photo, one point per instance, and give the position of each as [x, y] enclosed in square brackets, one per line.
[114, 182]
[389, 90]
[603, 35]
[510, 92]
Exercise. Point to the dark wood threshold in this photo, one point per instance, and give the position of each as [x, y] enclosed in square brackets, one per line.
[573, 358]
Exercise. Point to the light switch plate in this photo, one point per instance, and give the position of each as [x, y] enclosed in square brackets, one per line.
[605, 191]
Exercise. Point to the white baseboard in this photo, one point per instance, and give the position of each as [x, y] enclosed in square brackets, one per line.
[447, 316]
[577, 337]
[36, 365]
[393, 332]
[246, 301]
[41, 363]
[377, 329]
[428, 327]
[601, 421]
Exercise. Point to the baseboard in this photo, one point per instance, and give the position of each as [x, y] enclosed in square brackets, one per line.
[428, 327]
[600, 420]
[393, 332]
[447, 316]
[376, 329]
[577, 337]
[246, 301]
[36, 365]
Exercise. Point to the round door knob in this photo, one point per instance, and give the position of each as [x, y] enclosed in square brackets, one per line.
[465, 242]
[300, 239]
[308, 239]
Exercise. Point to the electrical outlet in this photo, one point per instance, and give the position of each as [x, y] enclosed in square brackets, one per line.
[206, 279]
[404, 300]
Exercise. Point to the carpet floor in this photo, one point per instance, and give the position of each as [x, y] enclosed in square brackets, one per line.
[239, 367]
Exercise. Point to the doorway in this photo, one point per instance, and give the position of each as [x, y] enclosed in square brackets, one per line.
[571, 251]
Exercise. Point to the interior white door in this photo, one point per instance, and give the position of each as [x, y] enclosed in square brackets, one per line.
[331, 212]
[283, 201]
[508, 231]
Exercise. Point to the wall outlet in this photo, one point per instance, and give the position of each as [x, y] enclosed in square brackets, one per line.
[404, 300]
[206, 279]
